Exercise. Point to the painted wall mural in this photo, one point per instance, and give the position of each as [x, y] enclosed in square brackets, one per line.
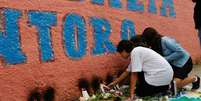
[72, 24]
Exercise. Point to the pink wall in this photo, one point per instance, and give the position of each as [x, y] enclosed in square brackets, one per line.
[62, 72]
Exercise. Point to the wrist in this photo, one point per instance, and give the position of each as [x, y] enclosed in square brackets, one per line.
[111, 84]
[132, 98]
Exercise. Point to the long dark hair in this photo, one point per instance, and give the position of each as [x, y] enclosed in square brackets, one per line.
[125, 45]
[153, 39]
[138, 40]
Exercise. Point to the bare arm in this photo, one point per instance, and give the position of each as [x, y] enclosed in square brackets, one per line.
[133, 84]
[120, 78]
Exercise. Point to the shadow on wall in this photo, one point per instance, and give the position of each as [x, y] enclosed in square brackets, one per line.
[47, 95]
[96, 84]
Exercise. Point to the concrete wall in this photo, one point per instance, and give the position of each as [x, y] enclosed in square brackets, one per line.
[55, 42]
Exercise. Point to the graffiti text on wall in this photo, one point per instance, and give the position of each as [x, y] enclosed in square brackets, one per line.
[74, 25]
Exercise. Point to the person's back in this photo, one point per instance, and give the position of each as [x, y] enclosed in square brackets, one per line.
[157, 70]
[174, 53]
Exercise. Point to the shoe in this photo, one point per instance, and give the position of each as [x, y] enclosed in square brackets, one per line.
[196, 85]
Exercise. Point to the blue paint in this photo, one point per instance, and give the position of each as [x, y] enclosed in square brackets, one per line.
[134, 5]
[168, 4]
[102, 31]
[98, 2]
[10, 48]
[43, 22]
[74, 26]
[115, 3]
[152, 7]
[112, 3]
[127, 29]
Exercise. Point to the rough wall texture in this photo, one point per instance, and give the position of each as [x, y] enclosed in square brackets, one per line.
[55, 42]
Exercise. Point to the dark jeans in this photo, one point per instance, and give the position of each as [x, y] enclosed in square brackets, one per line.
[144, 89]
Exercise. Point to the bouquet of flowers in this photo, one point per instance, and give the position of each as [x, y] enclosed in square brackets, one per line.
[101, 91]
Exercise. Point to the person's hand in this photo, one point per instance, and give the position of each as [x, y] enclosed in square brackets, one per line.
[111, 84]
[129, 99]
[81, 99]
[133, 98]
[106, 87]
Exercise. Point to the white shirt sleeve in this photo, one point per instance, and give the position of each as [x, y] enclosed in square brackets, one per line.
[129, 68]
[136, 62]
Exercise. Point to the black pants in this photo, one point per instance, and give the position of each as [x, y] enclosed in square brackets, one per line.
[182, 72]
[144, 89]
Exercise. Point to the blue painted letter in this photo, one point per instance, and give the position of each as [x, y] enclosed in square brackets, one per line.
[115, 3]
[98, 2]
[127, 29]
[10, 48]
[152, 6]
[133, 5]
[43, 22]
[75, 36]
[102, 32]
[168, 4]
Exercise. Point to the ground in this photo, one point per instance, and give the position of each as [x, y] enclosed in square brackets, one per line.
[196, 70]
